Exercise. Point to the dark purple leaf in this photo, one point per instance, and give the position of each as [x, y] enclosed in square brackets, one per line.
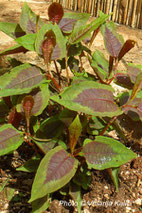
[55, 12]
[133, 72]
[47, 46]
[111, 60]
[112, 43]
[28, 103]
[67, 24]
[56, 53]
[95, 33]
[124, 80]
[15, 49]
[54, 42]
[128, 45]
[134, 109]
[40, 96]
[14, 118]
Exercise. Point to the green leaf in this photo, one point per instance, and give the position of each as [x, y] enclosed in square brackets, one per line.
[100, 64]
[27, 41]
[96, 125]
[3, 184]
[20, 80]
[41, 204]
[89, 97]
[31, 165]
[75, 130]
[82, 178]
[84, 31]
[75, 193]
[46, 146]
[3, 109]
[81, 18]
[10, 139]
[48, 127]
[59, 50]
[114, 176]
[11, 29]
[55, 170]
[67, 116]
[40, 96]
[29, 21]
[104, 152]
[9, 193]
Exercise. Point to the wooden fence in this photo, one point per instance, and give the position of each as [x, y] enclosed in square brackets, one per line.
[128, 12]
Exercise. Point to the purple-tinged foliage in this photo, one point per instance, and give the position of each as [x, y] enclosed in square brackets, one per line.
[98, 153]
[113, 45]
[48, 45]
[105, 152]
[29, 21]
[55, 12]
[128, 45]
[113, 41]
[66, 24]
[55, 170]
[89, 97]
[98, 100]
[10, 139]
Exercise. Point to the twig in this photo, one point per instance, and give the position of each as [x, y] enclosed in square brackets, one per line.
[58, 72]
[67, 70]
[108, 125]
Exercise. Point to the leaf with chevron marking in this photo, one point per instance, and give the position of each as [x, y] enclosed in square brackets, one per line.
[104, 152]
[55, 170]
[10, 139]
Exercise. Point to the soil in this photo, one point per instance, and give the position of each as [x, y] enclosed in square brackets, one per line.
[102, 196]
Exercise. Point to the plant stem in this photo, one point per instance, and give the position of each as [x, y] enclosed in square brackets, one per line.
[108, 125]
[67, 70]
[58, 73]
[49, 77]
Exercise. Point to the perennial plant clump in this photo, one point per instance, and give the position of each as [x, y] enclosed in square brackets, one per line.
[66, 118]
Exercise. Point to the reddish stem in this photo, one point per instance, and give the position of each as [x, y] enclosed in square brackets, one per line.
[58, 73]
[54, 81]
[108, 125]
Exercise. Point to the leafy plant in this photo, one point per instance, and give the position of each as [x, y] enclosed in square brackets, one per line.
[66, 118]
